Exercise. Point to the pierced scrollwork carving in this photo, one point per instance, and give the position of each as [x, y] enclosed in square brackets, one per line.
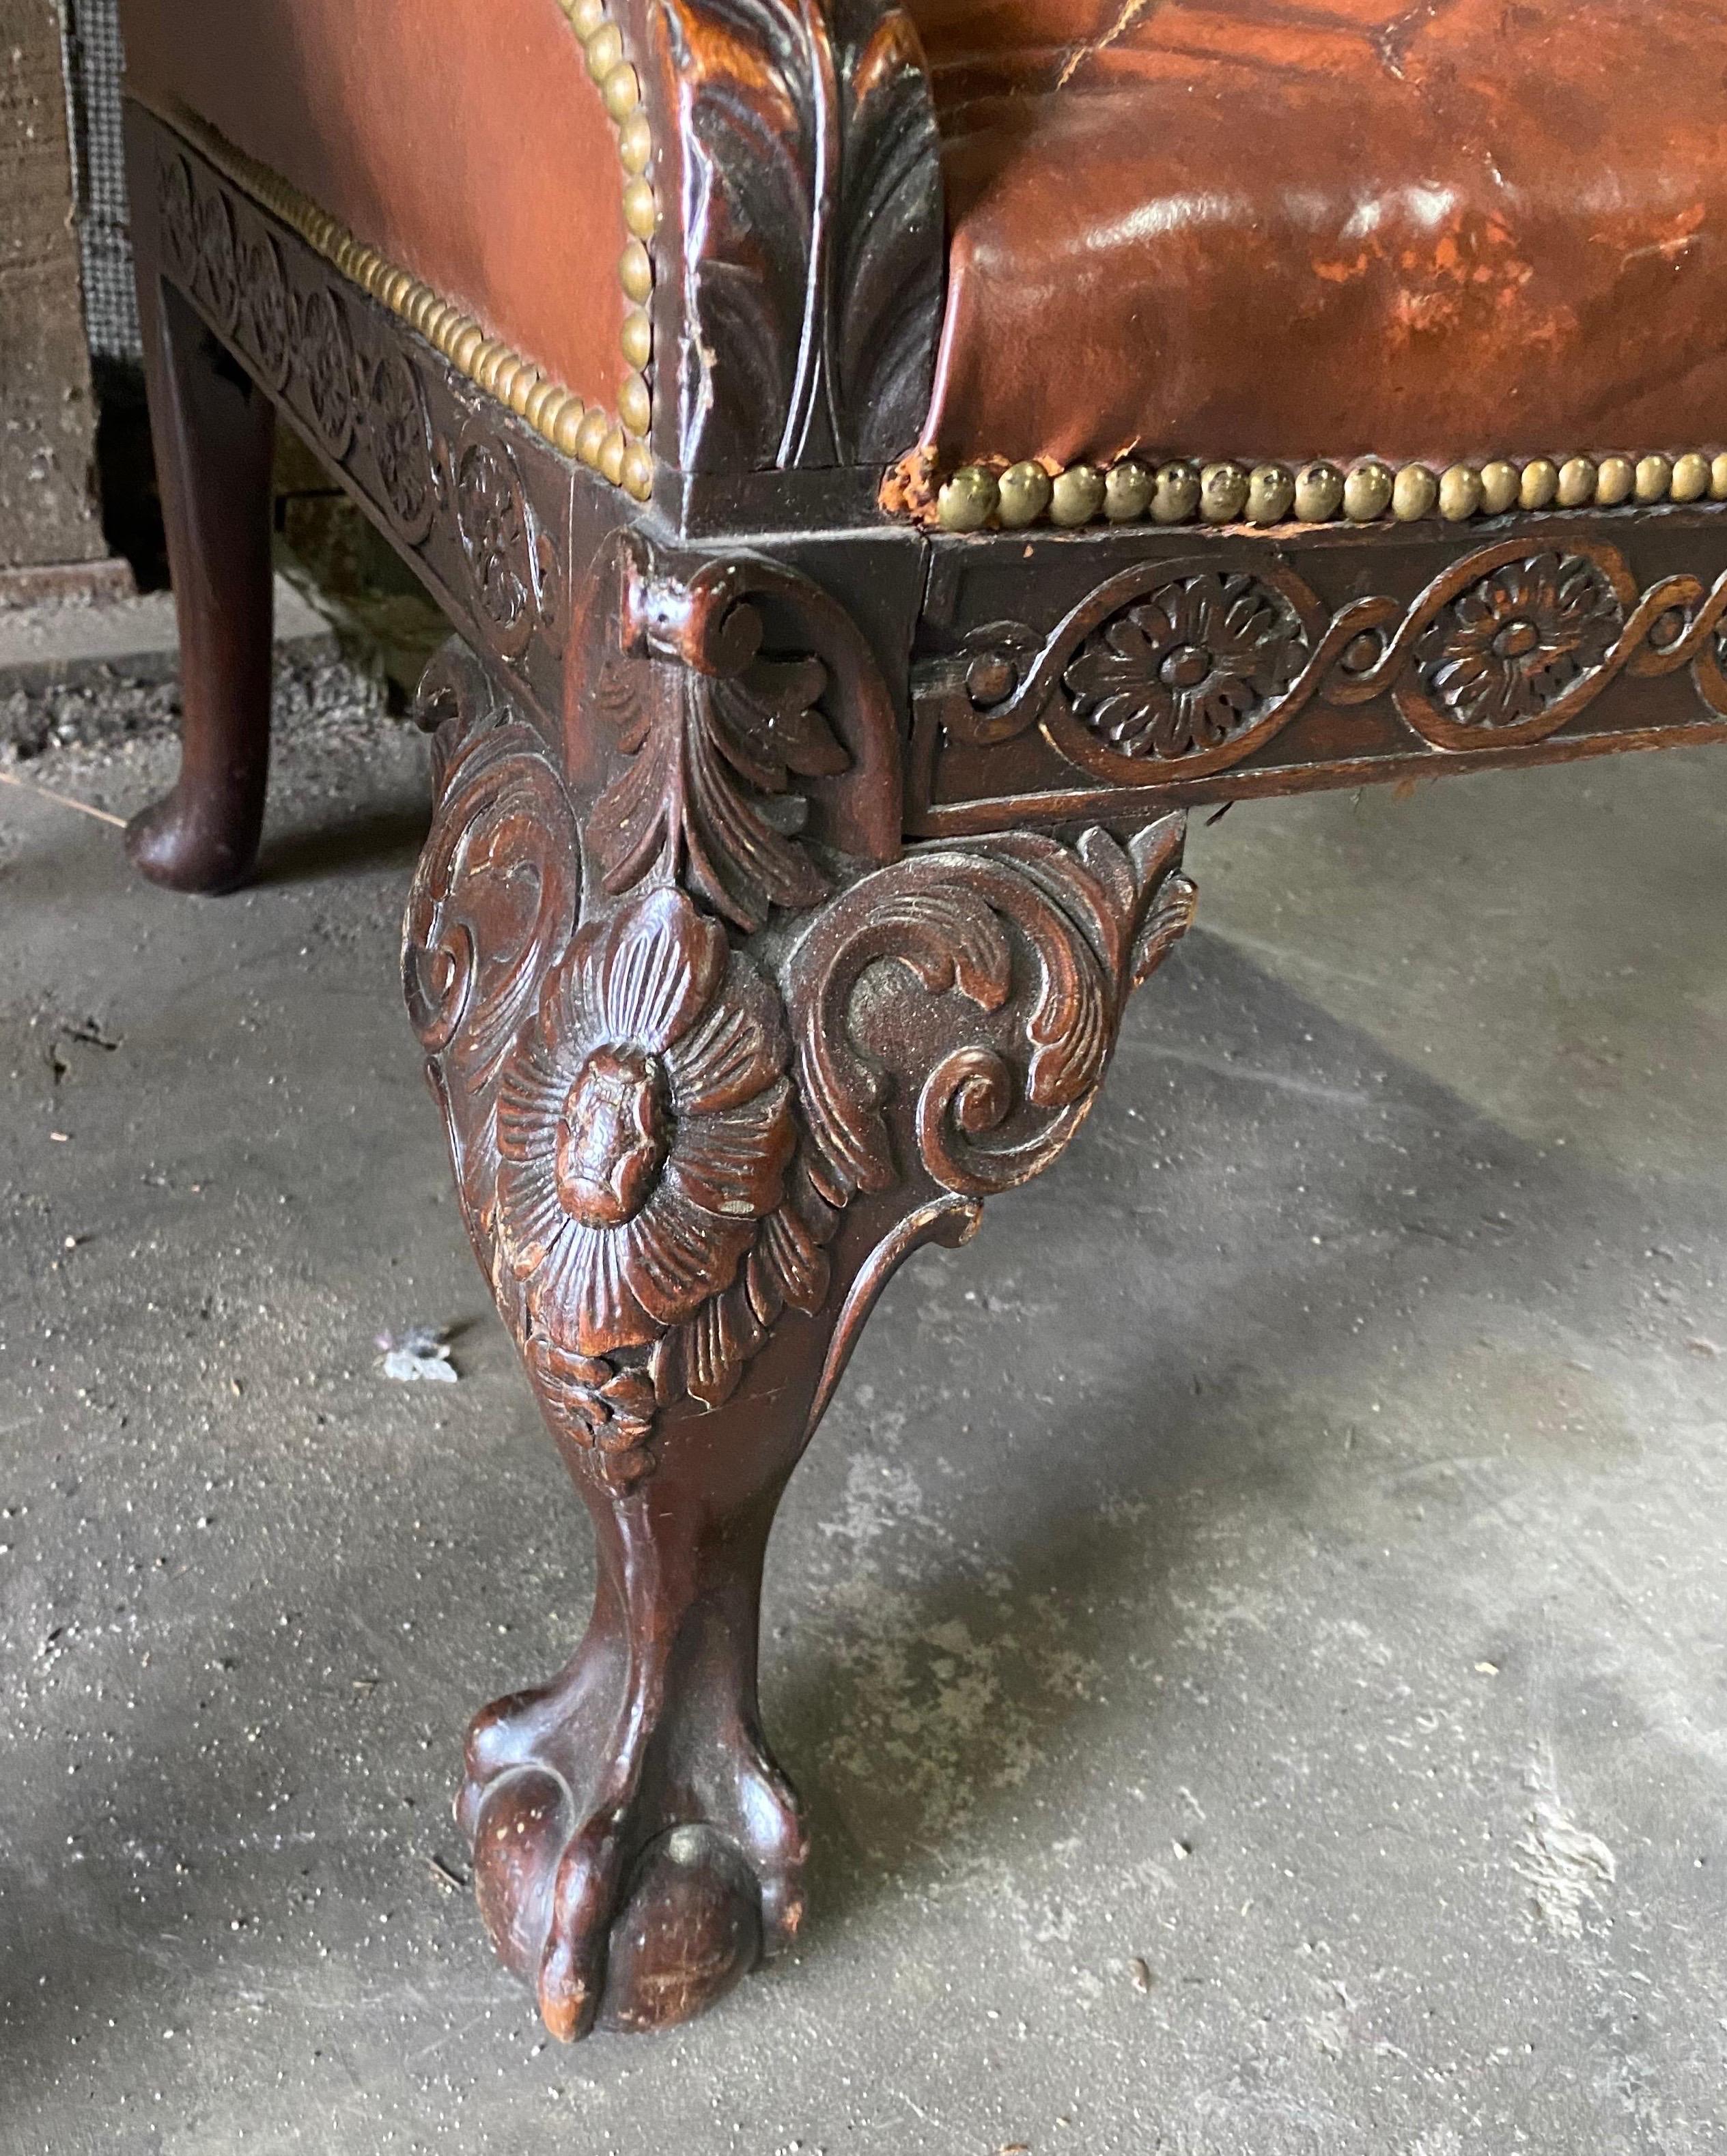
[812, 231]
[1176, 670]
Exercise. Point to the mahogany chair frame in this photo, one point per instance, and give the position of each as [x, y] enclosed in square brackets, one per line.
[792, 860]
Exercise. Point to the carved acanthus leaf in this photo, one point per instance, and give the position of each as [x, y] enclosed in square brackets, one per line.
[812, 225]
[711, 760]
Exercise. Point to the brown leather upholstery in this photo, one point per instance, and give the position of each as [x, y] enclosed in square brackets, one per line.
[1281, 229]
[467, 144]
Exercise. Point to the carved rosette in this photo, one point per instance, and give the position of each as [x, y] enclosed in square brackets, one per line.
[661, 1112]
[1189, 667]
[1510, 646]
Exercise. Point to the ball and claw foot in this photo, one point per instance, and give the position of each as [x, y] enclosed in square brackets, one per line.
[634, 1865]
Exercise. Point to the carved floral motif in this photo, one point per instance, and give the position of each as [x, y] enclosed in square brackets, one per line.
[397, 431]
[451, 486]
[1174, 672]
[268, 310]
[656, 1164]
[1510, 646]
[1187, 668]
[643, 1126]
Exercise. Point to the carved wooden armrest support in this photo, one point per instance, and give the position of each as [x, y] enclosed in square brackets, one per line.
[799, 256]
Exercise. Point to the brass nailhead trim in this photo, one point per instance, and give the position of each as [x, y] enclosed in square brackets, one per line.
[614, 446]
[978, 496]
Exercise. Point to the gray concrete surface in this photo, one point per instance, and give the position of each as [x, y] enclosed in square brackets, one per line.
[1250, 1633]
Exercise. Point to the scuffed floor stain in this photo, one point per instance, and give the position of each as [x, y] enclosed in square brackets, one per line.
[1565, 1866]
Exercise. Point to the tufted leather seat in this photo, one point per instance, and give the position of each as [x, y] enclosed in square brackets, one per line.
[1280, 228]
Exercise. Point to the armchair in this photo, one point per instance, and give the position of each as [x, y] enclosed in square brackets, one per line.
[882, 466]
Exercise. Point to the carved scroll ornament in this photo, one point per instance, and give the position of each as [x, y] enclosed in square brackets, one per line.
[658, 1125]
[1173, 670]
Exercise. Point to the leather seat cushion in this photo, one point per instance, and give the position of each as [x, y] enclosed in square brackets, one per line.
[467, 145]
[1283, 229]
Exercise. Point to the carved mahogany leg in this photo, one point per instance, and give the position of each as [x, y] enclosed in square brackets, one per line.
[705, 1087]
[213, 430]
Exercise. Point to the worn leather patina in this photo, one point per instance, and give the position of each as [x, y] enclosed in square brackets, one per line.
[469, 146]
[1257, 228]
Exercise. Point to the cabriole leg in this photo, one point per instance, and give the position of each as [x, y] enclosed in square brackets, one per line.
[213, 430]
[705, 1087]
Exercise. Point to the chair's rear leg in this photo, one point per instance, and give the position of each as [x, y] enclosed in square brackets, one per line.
[213, 432]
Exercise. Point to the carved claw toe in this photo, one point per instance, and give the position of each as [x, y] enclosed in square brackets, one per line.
[640, 1901]
[186, 848]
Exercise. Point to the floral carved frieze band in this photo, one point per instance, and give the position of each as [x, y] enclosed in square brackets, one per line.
[669, 1070]
[1177, 670]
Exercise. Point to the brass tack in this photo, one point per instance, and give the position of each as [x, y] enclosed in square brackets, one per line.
[1271, 494]
[465, 340]
[1175, 494]
[639, 471]
[1075, 494]
[1460, 494]
[1718, 479]
[1499, 482]
[484, 363]
[622, 92]
[635, 140]
[605, 50]
[612, 453]
[1578, 478]
[398, 291]
[544, 401]
[567, 434]
[635, 407]
[1223, 493]
[635, 272]
[1654, 477]
[591, 434]
[586, 17]
[1616, 480]
[1415, 494]
[1319, 493]
[509, 370]
[641, 212]
[966, 502]
[1367, 492]
[522, 389]
[1127, 491]
[1691, 478]
[1539, 484]
[1024, 495]
[637, 338]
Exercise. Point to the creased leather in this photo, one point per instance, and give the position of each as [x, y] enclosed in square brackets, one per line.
[467, 144]
[1330, 227]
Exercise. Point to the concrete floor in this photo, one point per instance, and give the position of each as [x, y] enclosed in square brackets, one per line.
[1249, 1634]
